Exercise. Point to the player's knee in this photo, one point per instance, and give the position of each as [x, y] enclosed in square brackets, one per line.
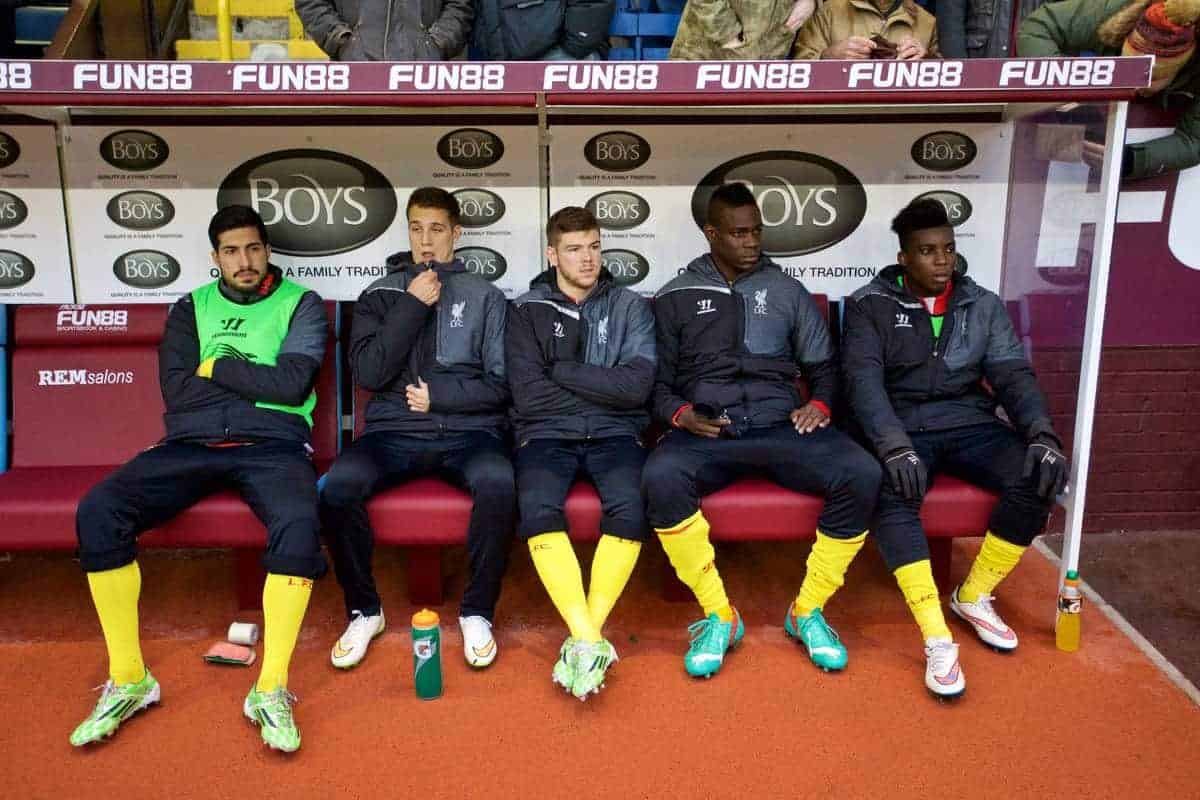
[95, 515]
[664, 478]
[863, 477]
[495, 486]
[344, 487]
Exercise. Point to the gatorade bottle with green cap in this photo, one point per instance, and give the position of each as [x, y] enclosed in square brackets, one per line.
[427, 654]
[1067, 623]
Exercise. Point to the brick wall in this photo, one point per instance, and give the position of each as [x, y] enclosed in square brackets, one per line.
[1145, 471]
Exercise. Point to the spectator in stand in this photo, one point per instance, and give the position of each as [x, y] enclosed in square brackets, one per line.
[545, 30]
[388, 30]
[1166, 30]
[980, 28]
[858, 29]
[711, 30]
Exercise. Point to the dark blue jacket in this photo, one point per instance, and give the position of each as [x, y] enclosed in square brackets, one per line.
[579, 371]
[739, 347]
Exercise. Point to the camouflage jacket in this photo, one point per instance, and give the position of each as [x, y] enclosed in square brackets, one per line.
[707, 25]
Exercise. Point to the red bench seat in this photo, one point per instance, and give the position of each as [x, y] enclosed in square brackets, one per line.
[70, 431]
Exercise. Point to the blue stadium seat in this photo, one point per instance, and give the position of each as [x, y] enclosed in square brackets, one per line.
[670, 6]
[625, 25]
[37, 24]
[655, 33]
[649, 32]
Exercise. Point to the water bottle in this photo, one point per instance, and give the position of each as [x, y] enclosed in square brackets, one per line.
[427, 654]
[1067, 622]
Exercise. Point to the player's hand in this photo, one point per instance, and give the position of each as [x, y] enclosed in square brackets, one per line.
[801, 11]
[707, 427]
[809, 418]
[909, 49]
[204, 368]
[856, 47]
[1093, 154]
[426, 287]
[418, 396]
[908, 474]
[1044, 459]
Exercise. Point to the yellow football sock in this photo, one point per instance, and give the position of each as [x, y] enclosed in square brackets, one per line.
[285, 599]
[916, 582]
[691, 554]
[557, 566]
[826, 571]
[996, 559]
[612, 565]
[115, 594]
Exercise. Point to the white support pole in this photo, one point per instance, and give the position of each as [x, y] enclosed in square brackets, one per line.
[1089, 375]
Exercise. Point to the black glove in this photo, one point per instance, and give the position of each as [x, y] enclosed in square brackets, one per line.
[1046, 459]
[908, 474]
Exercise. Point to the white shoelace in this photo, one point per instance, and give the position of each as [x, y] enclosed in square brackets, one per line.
[358, 630]
[984, 604]
[942, 656]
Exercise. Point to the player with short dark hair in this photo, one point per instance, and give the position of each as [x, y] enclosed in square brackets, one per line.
[428, 343]
[237, 364]
[580, 353]
[733, 332]
[920, 340]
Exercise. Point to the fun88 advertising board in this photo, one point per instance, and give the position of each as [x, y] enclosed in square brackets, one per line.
[827, 192]
[332, 197]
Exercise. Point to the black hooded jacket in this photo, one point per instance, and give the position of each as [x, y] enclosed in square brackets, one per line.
[456, 346]
[899, 378]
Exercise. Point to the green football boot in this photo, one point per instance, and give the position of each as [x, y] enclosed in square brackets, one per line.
[272, 712]
[564, 668]
[592, 660]
[117, 704]
[711, 639]
[824, 648]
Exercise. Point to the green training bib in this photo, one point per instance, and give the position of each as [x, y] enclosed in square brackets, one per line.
[253, 332]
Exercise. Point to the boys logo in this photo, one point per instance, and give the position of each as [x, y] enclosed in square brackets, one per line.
[483, 261]
[314, 202]
[617, 151]
[13, 211]
[808, 202]
[479, 207]
[15, 270]
[140, 210]
[958, 207]
[626, 266]
[134, 151]
[146, 269]
[944, 151]
[619, 211]
[470, 148]
[10, 151]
